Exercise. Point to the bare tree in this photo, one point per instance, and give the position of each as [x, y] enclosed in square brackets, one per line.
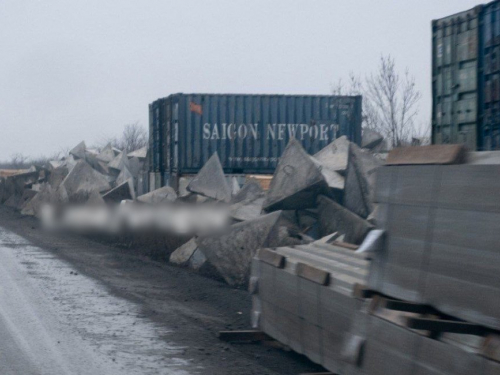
[134, 137]
[18, 161]
[394, 101]
[390, 101]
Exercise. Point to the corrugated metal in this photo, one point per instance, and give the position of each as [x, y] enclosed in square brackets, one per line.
[456, 63]
[466, 78]
[490, 129]
[249, 132]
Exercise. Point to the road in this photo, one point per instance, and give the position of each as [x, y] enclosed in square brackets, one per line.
[71, 304]
[53, 320]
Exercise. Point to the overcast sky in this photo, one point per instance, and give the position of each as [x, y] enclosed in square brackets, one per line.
[82, 69]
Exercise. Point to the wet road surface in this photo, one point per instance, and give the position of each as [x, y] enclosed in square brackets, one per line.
[55, 321]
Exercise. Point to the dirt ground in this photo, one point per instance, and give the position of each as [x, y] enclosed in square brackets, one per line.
[193, 306]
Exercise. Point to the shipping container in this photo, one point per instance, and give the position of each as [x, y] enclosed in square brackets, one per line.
[466, 78]
[249, 132]
[489, 133]
[455, 68]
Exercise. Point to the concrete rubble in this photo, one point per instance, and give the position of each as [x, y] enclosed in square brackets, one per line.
[310, 198]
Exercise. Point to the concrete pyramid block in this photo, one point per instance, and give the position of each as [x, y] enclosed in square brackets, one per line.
[360, 181]
[135, 166]
[13, 201]
[53, 164]
[250, 191]
[92, 151]
[182, 254]
[235, 186]
[231, 251]
[57, 176]
[124, 176]
[141, 153]
[95, 163]
[296, 182]
[335, 155]
[102, 167]
[70, 162]
[370, 139]
[197, 261]
[124, 191]
[28, 194]
[161, 195]
[79, 150]
[210, 181]
[83, 179]
[34, 205]
[335, 218]
[119, 162]
[183, 184]
[247, 209]
[61, 196]
[107, 154]
[95, 200]
[333, 179]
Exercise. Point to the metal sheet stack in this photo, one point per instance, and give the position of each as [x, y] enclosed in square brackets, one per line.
[303, 297]
[443, 244]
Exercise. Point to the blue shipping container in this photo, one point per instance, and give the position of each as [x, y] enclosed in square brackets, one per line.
[466, 78]
[249, 132]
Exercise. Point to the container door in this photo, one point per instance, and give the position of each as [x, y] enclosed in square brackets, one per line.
[455, 78]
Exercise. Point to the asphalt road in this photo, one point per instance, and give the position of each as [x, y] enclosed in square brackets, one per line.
[72, 304]
[56, 321]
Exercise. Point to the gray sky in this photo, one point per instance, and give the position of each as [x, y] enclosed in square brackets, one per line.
[82, 69]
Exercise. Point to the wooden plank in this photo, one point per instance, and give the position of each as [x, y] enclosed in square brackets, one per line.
[313, 274]
[412, 307]
[434, 154]
[271, 257]
[361, 291]
[243, 336]
[437, 325]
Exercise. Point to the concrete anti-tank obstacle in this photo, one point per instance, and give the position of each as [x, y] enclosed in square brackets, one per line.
[296, 182]
[360, 181]
[161, 195]
[210, 181]
[335, 218]
[84, 179]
